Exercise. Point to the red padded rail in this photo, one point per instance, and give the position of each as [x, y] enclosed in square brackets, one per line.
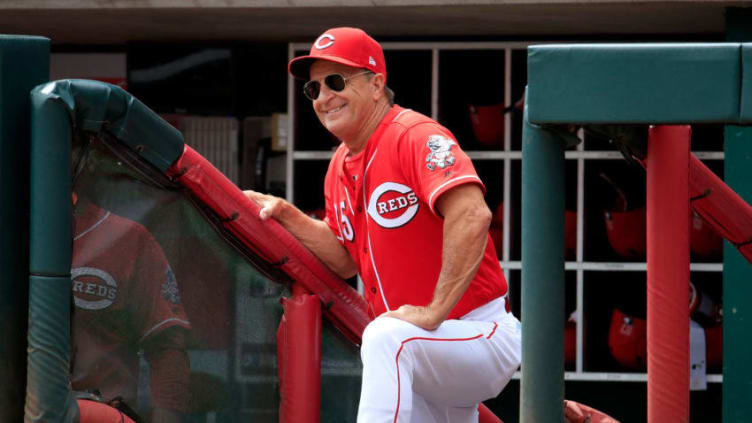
[726, 212]
[343, 305]
[723, 208]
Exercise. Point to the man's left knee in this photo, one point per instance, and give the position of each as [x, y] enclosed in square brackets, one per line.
[385, 333]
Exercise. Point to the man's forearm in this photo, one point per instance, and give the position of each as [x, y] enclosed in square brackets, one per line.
[317, 237]
[465, 233]
[465, 238]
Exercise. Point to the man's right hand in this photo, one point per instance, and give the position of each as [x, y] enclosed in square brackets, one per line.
[270, 205]
[314, 234]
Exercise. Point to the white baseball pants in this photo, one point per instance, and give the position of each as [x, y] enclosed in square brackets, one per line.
[411, 375]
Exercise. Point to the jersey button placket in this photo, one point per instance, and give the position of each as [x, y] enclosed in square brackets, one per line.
[373, 289]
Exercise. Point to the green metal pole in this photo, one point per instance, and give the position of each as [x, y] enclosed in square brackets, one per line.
[542, 384]
[737, 272]
[737, 289]
[24, 63]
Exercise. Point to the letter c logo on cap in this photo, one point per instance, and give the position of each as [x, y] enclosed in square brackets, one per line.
[324, 41]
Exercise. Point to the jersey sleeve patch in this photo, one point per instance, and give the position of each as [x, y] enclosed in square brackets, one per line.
[170, 290]
[439, 152]
[433, 162]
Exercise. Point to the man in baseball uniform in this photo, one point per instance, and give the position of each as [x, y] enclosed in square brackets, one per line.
[126, 302]
[405, 210]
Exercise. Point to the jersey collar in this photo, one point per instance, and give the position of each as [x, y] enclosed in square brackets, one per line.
[87, 217]
[375, 138]
[371, 146]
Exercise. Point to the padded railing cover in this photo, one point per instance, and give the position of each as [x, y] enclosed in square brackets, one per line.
[726, 212]
[343, 305]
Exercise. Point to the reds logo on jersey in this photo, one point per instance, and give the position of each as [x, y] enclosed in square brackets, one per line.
[93, 289]
[392, 205]
[440, 155]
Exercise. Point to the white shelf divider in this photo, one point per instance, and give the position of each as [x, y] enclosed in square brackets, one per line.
[617, 377]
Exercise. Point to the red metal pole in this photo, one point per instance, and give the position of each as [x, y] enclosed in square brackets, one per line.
[668, 273]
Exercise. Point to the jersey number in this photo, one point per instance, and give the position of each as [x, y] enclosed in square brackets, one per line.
[347, 230]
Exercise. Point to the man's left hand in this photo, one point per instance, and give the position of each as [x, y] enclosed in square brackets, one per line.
[420, 316]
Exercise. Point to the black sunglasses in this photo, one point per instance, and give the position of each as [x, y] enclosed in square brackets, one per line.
[335, 82]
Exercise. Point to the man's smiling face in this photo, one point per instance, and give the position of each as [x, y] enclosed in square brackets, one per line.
[343, 113]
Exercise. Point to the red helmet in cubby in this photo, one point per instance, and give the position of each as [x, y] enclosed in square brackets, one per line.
[625, 224]
[628, 340]
[488, 123]
[626, 232]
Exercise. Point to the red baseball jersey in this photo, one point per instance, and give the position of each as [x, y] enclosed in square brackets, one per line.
[124, 293]
[380, 204]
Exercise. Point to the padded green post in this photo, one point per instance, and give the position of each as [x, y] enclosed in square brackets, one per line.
[49, 398]
[737, 272]
[737, 289]
[542, 385]
[24, 63]
[51, 206]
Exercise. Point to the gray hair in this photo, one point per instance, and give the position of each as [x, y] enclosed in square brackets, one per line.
[388, 91]
[389, 95]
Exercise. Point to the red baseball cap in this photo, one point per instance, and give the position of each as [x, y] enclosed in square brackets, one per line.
[348, 46]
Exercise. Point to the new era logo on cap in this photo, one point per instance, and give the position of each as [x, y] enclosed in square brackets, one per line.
[348, 46]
